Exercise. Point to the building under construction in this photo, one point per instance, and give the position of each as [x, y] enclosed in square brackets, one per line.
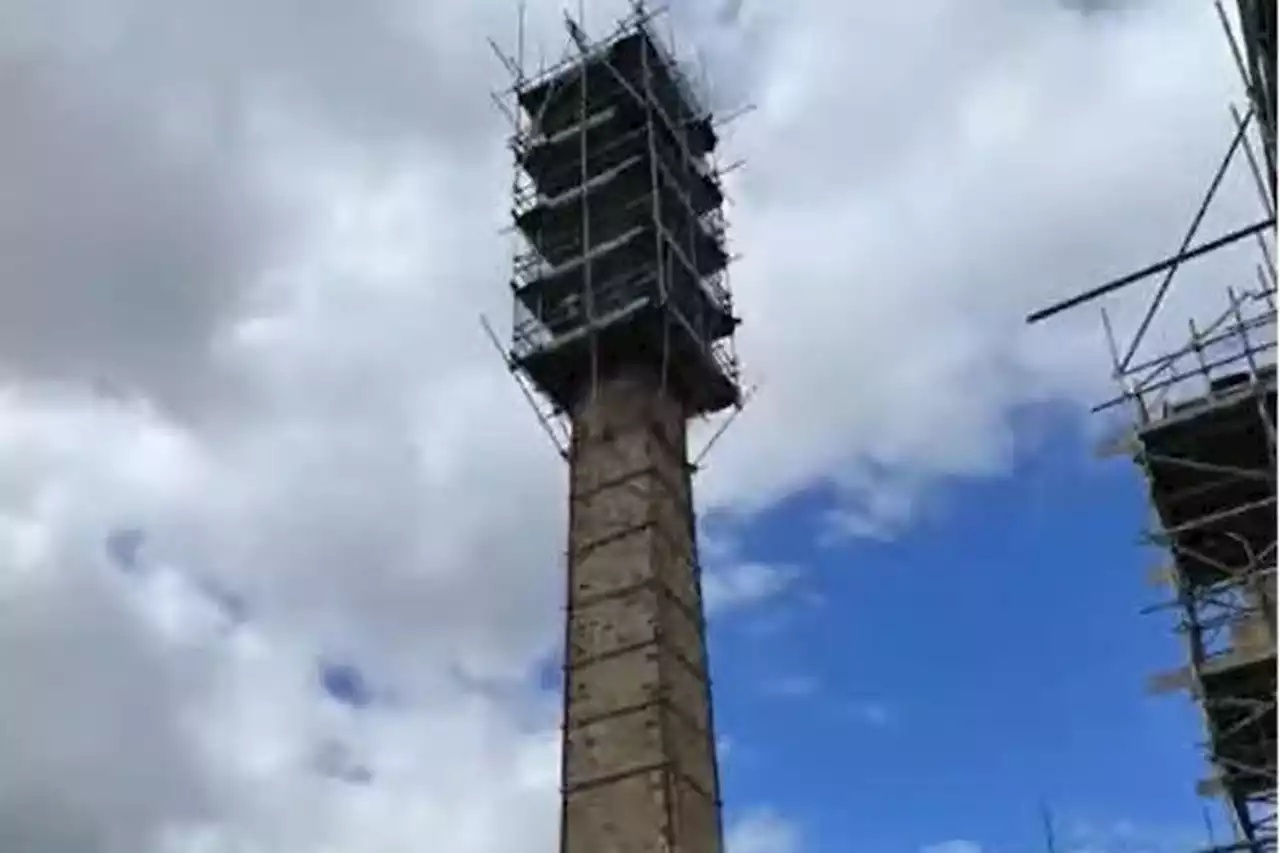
[1203, 432]
[623, 328]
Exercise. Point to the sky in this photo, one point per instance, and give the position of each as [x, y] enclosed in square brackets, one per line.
[279, 537]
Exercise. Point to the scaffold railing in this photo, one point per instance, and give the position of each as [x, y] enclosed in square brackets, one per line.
[1238, 344]
[538, 328]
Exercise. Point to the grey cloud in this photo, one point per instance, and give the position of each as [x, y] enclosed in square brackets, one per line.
[349, 494]
[1098, 7]
[118, 258]
[67, 720]
[141, 215]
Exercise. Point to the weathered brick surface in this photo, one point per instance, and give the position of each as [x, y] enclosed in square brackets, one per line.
[639, 751]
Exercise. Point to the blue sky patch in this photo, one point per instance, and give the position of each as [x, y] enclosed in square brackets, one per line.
[124, 546]
[345, 683]
[950, 680]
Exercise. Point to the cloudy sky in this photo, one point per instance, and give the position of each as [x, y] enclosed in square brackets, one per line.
[279, 538]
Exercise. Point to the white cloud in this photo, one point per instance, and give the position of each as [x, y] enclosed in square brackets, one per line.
[792, 687]
[268, 235]
[873, 712]
[742, 585]
[1100, 836]
[1123, 835]
[956, 845]
[763, 832]
[892, 266]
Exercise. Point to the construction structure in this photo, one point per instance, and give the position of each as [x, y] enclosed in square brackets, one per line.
[622, 334]
[1203, 432]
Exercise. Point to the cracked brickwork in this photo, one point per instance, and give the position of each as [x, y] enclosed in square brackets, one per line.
[639, 772]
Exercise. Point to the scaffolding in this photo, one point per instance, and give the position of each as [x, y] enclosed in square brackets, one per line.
[620, 238]
[1203, 432]
[1204, 436]
[622, 331]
